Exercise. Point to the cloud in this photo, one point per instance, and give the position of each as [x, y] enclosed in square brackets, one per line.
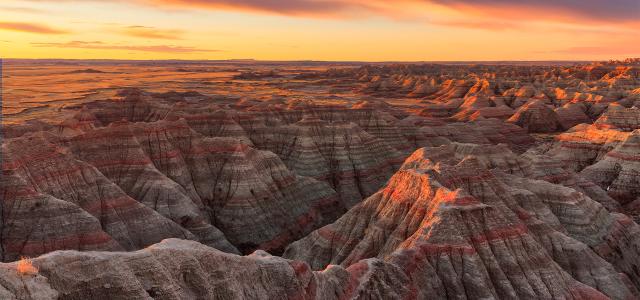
[595, 11]
[491, 24]
[144, 48]
[30, 27]
[21, 9]
[151, 32]
[288, 7]
[632, 50]
[479, 25]
[611, 10]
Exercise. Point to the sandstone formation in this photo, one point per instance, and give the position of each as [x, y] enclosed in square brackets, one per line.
[625, 119]
[355, 150]
[572, 114]
[618, 172]
[382, 181]
[45, 170]
[535, 116]
[175, 179]
[584, 145]
[513, 229]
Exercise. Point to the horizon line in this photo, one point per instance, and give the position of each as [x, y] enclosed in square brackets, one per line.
[307, 60]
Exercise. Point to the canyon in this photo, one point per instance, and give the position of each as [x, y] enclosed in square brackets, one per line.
[242, 180]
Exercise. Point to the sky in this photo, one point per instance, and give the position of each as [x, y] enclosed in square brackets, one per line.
[334, 30]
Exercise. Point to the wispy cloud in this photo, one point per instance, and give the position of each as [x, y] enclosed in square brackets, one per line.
[144, 48]
[611, 10]
[30, 27]
[289, 7]
[479, 24]
[21, 9]
[151, 32]
[594, 11]
[627, 49]
[531, 26]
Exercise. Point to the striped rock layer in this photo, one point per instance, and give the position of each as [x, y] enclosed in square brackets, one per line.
[359, 152]
[179, 269]
[618, 172]
[625, 119]
[139, 183]
[474, 232]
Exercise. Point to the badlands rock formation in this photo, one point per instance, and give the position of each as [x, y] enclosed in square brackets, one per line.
[564, 96]
[179, 269]
[618, 172]
[535, 116]
[410, 182]
[516, 243]
[472, 230]
[180, 183]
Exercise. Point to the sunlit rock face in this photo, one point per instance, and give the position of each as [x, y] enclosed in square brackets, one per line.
[605, 155]
[457, 205]
[624, 119]
[540, 98]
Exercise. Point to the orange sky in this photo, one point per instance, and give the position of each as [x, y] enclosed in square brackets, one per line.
[364, 30]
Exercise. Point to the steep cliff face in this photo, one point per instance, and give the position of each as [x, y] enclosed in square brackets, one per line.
[249, 194]
[440, 213]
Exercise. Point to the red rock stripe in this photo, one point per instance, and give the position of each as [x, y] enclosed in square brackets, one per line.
[624, 156]
[56, 243]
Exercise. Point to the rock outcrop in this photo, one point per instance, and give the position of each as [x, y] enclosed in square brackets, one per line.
[584, 145]
[618, 172]
[535, 116]
[572, 114]
[514, 229]
[625, 119]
